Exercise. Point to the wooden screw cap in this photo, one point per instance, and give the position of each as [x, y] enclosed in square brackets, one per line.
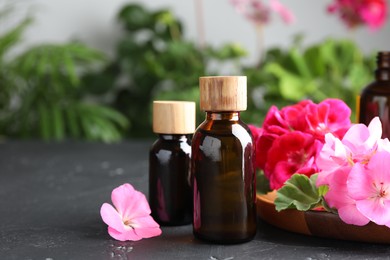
[173, 117]
[223, 93]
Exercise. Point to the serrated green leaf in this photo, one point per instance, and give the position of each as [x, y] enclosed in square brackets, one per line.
[299, 192]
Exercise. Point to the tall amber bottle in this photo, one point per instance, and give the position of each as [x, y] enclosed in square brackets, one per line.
[222, 166]
[170, 194]
[375, 98]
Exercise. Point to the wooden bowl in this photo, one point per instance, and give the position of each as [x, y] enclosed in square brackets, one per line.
[318, 223]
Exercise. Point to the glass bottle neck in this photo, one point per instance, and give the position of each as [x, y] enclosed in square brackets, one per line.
[382, 74]
[230, 116]
[175, 137]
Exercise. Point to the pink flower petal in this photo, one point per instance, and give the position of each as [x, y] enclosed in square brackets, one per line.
[369, 185]
[376, 210]
[375, 129]
[359, 183]
[284, 13]
[124, 236]
[350, 215]
[146, 227]
[130, 220]
[111, 217]
[339, 198]
[129, 202]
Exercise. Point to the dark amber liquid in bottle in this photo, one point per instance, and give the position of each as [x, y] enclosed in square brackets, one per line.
[375, 98]
[223, 179]
[170, 194]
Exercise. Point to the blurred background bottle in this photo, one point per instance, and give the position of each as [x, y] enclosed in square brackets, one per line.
[375, 98]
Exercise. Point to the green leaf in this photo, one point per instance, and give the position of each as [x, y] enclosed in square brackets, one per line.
[291, 86]
[135, 17]
[58, 122]
[299, 192]
[262, 183]
[314, 61]
[44, 121]
[11, 37]
[300, 64]
[72, 121]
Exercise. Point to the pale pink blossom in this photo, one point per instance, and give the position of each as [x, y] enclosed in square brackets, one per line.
[359, 144]
[130, 219]
[339, 198]
[357, 172]
[369, 186]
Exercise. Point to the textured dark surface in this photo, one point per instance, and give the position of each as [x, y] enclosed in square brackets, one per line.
[50, 197]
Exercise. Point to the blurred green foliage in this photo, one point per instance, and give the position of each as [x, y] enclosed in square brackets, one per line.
[72, 91]
[154, 61]
[330, 69]
[43, 95]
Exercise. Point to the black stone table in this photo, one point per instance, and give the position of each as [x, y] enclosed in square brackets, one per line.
[50, 197]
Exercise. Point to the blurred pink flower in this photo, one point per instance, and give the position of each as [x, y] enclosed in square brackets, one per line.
[356, 13]
[284, 13]
[130, 219]
[259, 13]
[369, 186]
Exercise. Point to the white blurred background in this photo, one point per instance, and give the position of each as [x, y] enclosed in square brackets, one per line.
[93, 22]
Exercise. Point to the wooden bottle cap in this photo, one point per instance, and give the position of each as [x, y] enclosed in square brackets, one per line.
[223, 93]
[173, 117]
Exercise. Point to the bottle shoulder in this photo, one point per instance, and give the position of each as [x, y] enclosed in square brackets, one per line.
[377, 87]
[174, 146]
[222, 127]
[234, 130]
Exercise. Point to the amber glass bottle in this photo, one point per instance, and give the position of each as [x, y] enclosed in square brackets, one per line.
[223, 173]
[375, 98]
[170, 195]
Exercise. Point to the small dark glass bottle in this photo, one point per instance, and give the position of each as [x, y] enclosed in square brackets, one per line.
[222, 166]
[170, 194]
[375, 98]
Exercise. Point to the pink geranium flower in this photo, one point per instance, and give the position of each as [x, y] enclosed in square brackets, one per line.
[329, 116]
[339, 198]
[291, 153]
[356, 13]
[130, 219]
[369, 186]
[358, 145]
[357, 172]
[277, 123]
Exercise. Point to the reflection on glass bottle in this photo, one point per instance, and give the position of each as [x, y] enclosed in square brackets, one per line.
[375, 98]
[170, 195]
[223, 173]
[169, 189]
